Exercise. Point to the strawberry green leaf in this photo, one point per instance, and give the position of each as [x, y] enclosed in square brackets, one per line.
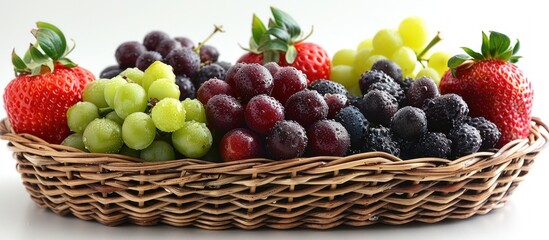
[18, 63]
[50, 43]
[472, 53]
[499, 43]
[272, 23]
[282, 18]
[279, 33]
[485, 48]
[506, 54]
[457, 60]
[275, 44]
[27, 57]
[37, 56]
[258, 29]
[291, 54]
[270, 56]
[516, 47]
[514, 59]
[67, 62]
[45, 25]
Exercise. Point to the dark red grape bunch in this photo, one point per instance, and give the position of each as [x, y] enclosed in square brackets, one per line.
[306, 107]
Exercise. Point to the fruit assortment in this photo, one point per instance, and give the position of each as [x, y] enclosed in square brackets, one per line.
[285, 98]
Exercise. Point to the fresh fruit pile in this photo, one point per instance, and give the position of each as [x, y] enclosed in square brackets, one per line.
[283, 99]
[47, 83]
[407, 46]
[139, 114]
[193, 65]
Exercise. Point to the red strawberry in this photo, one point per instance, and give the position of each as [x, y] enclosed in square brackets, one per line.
[282, 43]
[47, 83]
[493, 86]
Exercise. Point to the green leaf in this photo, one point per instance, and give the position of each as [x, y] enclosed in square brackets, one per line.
[50, 42]
[271, 56]
[514, 59]
[38, 56]
[499, 43]
[45, 25]
[279, 33]
[275, 44]
[472, 53]
[485, 48]
[457, 60]
[516, 48]
[67, 62]
[18, 63]
[27, 57]
[272, 23]
[282, 18]
[506, 55]
[258, 29]
[291, 54]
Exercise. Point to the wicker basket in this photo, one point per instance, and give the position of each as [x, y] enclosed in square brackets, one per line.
[317, 192]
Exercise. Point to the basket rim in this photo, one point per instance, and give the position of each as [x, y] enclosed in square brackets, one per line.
[40, 152]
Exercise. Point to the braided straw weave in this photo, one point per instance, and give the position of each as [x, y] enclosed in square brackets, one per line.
[316, 192]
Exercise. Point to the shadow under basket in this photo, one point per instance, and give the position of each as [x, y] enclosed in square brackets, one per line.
[317, 192]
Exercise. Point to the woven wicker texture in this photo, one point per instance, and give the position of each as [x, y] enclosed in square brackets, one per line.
[318, 192]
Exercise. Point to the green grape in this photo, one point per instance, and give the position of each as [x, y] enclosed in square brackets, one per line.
[359, 65]
[103, 136]
[439, 62]
[114, 117]
[344, 75]
[193, 140]
[129, 98]
[138, 130]
[163, 88]
[194, 110]
[387, 41]
[74, 140]
[406, 58]
[158, 151]
[80, 115]
[110, 89]
[168, 115]
[371, 60]
[430, 73]
[94, 93]
[366, 43]
[133, 75]
[414, 33]
[125, 150]
[156, 71]
[355, 90]
[344, 57]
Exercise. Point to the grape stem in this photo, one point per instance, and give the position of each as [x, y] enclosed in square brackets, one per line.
[217, 28]
[431, 44]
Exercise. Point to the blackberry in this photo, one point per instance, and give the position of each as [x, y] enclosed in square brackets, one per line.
[407, 148]
[433, 144]
[355, 100]
[206, 73]
[392, 88]
[388, 67]
[354, 122]
[370, 77]
[409, 123]
[380, 139]
[420, 90]
[445, 112]
[378, 107]
[224, 65]
[465, 140]
[326, 86]
[489, 132]
[405, 84]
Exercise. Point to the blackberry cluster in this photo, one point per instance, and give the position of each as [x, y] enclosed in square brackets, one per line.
[380, 139]
[392, 88]
[465, 140]
[371, 77]
[489, 132]
[433, 144]
[326, 86]
[445, 112]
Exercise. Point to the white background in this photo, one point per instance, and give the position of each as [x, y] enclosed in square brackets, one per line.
[99, 26]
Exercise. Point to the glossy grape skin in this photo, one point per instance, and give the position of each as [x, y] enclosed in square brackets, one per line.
[252, 80]
[80, 115]
[262, 113]
[153, 38]
[306, 107]
[184, 61]
[186, 87]
[94, 93]
[146, 59]
[230, 77]
[127, 53]
[414, 33]
[209, 54]
[439, 62]
[138, 130]
[129, 98]
[387, 41]
[240, 143]
[328, 138]
[166, 46]
[103, 136]
[406, 58]
[133, 75]
[286, 82]
[110, 72]
[157, 70]
[194, 110]
[344, 57]
[211, 88]
[430, 73]
[168, 115]
[163, 88]
[114, 117]
[287, 139]
[344, 75]
[75, 140]
[224, 113]
[193, 140]
[158, 151]
[110, 88]
[185, 42]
